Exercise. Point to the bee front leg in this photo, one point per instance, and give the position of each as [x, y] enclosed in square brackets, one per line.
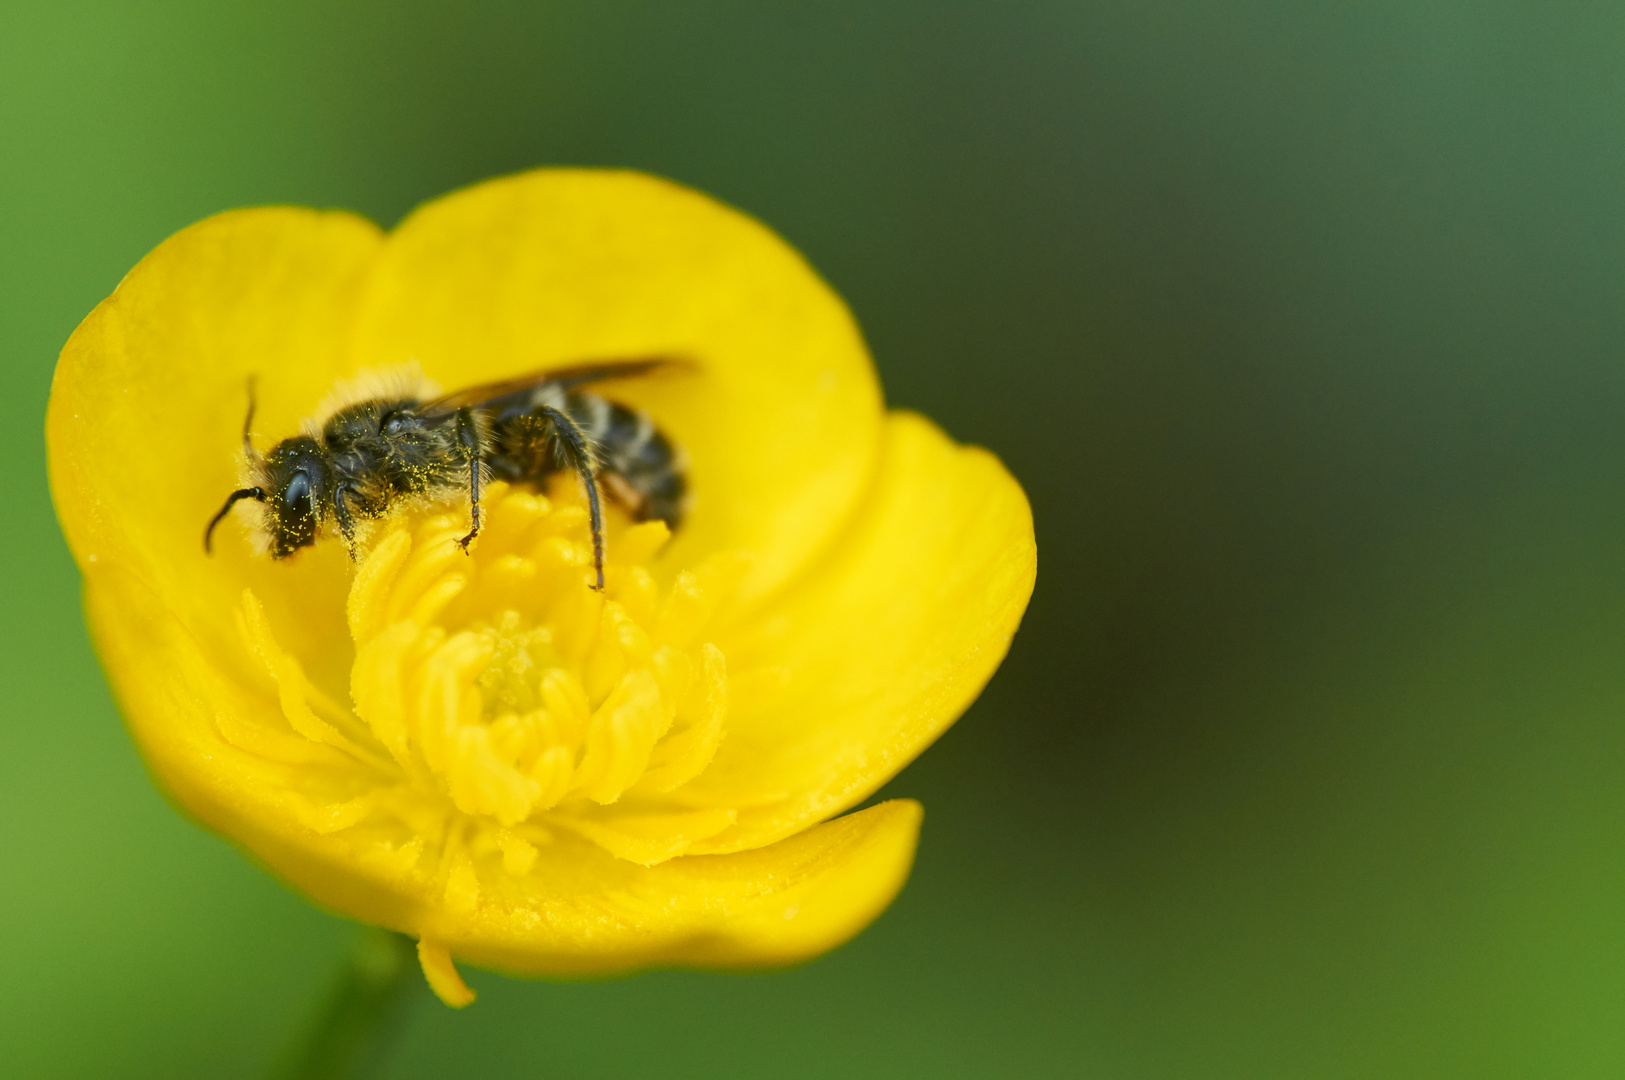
[468, 435]
[346, 520]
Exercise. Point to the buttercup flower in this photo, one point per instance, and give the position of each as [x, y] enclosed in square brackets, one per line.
[478, 749]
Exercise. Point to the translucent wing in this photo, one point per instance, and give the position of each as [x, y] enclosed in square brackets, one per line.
[495, 393]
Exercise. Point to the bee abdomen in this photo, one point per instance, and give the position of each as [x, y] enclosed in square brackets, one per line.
[642, 464]
[639, 467]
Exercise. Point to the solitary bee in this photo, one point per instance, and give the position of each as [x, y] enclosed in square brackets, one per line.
[369, 457]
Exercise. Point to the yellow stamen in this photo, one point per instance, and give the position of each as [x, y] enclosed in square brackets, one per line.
[442, 974]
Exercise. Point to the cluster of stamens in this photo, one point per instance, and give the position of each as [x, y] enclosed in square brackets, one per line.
[495, 694]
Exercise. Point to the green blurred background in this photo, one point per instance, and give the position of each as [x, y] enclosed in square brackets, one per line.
[1302, 324]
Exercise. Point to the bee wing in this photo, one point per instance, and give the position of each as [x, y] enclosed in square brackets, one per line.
[488, 394]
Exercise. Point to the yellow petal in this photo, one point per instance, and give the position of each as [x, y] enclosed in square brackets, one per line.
[182, 710]
[883, 647]
[147, 407]
[778, 409]
[775, 905]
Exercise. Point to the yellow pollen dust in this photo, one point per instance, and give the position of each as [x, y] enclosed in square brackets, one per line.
[495, 693]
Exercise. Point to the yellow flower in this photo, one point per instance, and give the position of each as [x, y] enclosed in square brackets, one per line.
[479, 750]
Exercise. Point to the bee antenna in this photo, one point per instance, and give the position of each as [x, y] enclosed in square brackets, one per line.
[257, 494]
[248, 423]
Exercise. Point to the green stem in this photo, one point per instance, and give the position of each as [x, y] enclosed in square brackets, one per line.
[363, 1012]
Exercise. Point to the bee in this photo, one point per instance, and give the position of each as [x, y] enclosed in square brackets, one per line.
[370, 457]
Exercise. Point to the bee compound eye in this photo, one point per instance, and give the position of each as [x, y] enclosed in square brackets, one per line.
[296, 496]
[394, 424]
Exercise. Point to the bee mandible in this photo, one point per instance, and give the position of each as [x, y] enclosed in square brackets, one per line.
[368, 458]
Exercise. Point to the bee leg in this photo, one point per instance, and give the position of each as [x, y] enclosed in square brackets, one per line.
[468, 433]
[346, 521]
[577, 454]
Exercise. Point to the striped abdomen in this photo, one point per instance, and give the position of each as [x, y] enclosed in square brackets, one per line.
[636, 464]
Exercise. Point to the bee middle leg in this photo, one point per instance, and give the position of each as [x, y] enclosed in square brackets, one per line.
[468, 435]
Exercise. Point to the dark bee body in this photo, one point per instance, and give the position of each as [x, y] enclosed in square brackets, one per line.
[370, 456]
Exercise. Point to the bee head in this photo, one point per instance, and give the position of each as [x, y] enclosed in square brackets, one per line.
[292, 481]
[294, 484]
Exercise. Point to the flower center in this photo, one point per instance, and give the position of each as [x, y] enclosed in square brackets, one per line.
[500, 680]
[495, 694]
